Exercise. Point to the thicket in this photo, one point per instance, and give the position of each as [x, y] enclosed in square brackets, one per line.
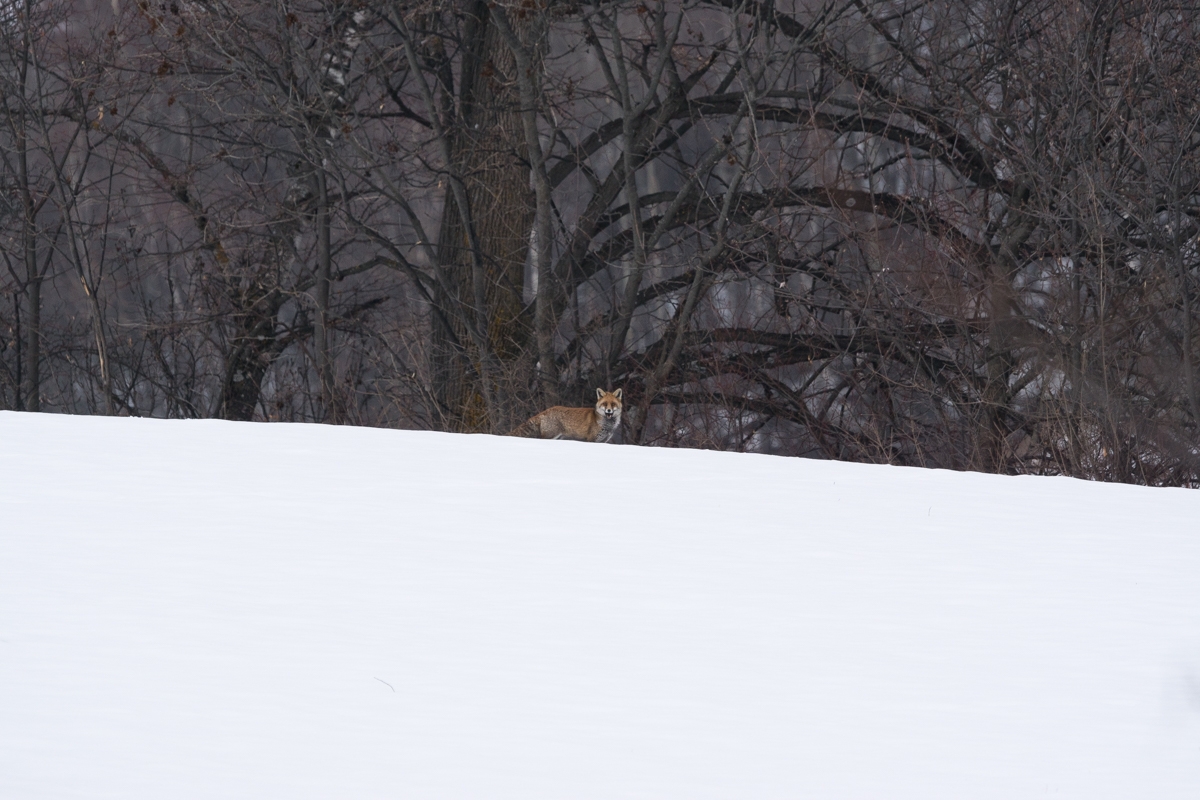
[952, 233]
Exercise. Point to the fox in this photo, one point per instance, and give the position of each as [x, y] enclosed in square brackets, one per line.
[596, 424]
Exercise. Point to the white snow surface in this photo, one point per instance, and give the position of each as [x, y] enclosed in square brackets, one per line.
[200, 609]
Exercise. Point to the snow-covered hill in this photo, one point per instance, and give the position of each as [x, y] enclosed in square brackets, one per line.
[217, 610]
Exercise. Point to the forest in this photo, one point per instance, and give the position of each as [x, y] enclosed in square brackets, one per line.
[961, 234]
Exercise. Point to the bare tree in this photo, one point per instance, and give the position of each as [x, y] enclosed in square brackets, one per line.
[956, 234]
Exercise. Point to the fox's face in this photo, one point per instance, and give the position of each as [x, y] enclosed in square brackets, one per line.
[608, 405]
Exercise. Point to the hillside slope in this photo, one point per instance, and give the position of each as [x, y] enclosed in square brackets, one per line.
[216, 610]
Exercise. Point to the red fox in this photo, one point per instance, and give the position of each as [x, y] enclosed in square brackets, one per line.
[596, 424]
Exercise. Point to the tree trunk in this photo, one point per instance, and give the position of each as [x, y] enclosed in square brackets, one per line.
[31, 386]
[321, 292]
[488, 150]
[253, 347]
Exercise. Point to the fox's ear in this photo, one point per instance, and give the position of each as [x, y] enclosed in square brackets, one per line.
[617, 394]
[599, 393]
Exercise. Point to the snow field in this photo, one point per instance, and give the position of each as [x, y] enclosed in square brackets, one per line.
[199, 609]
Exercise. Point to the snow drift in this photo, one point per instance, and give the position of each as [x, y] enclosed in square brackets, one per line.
[219, 610]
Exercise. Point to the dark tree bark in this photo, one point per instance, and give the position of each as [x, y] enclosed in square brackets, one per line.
[489, 152]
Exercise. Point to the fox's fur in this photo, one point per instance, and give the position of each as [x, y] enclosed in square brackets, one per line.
[596, 424]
